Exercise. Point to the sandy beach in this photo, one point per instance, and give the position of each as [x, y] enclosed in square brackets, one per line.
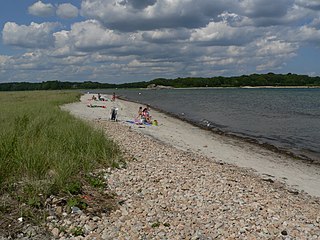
[268, 164]
[184, 182]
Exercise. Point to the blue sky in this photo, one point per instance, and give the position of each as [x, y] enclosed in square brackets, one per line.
[118, 41]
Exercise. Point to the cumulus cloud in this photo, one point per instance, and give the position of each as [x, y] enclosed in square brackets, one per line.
[312, 4]
[221, 34]
[132, 15]
[138, 4]
[33, 36]
[67, 10]
[166, 35]
[91, 35]
[315, 23]
[4, 61]
[126, 16]
[41, 9]
[127, 40]
[305, 34]
[271, 46]
[265, 9]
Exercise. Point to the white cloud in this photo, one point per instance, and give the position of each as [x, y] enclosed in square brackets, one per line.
[126, 40]
[67, 10]
[221, 34]
[305, 34]
[126, 16]
[41, 9]
[166, 35]
[91, 35]
[33, 36]
[4, 62]
[270, 46]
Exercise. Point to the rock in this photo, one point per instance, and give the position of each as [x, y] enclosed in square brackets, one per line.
[59, 210]
[76, 210]
[55, 232]
[173, 194]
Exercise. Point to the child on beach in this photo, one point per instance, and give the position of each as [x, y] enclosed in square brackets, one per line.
[139, 118]
[146, 115]
[139, 113]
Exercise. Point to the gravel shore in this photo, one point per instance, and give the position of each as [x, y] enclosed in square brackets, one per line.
[169, 193]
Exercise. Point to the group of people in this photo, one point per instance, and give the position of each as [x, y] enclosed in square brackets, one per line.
[144, 115]
[100, 98]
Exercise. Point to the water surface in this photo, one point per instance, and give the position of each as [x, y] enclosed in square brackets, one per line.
[288, 119]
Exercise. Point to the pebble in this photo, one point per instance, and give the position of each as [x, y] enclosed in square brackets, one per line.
[167, 193]
[55, 232]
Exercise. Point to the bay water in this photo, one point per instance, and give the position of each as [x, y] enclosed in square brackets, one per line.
[285, 118]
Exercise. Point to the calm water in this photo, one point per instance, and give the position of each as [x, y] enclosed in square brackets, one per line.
[286, 118]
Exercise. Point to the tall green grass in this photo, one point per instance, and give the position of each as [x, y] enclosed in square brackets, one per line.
[43, 149]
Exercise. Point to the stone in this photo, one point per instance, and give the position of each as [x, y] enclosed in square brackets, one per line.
[55, 232]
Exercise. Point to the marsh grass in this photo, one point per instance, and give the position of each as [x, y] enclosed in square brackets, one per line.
[43, 149]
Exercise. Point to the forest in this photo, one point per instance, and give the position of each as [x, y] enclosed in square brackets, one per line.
[253, 80]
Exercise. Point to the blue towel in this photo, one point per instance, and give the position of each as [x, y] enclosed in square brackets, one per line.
[130, 121]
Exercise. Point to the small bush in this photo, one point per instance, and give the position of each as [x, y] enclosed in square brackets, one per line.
[155, 225]
[77, 231]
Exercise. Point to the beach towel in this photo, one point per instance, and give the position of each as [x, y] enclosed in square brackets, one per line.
[138, 122]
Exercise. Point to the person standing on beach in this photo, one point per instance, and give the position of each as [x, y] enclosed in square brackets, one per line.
[113, 97]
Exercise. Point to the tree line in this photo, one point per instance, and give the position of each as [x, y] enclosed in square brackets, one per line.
[253, 80]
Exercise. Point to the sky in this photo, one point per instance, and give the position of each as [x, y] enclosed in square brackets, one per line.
[118, 41]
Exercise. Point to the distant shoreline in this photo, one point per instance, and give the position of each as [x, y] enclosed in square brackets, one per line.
[269, 80]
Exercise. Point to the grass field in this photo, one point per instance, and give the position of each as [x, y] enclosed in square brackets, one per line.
[44, 150]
